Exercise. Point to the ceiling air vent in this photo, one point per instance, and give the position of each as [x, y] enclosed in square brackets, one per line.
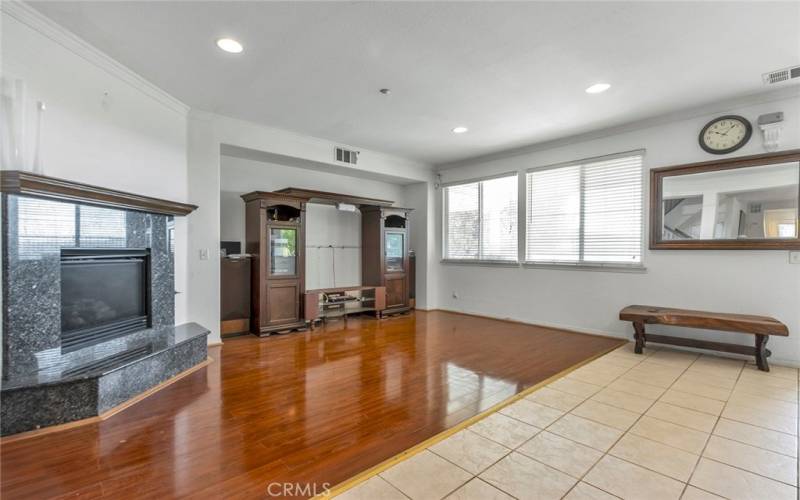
[346, 156]
[781, 75]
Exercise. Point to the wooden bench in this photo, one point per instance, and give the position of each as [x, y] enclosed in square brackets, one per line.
[760, 326]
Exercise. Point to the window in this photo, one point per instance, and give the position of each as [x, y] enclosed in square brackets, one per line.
[586, 213]
[481, 220]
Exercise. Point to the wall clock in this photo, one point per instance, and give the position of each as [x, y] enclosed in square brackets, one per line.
[725, 134]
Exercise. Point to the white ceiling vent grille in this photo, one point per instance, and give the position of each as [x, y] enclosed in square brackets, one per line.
[346, 156]
[781, 75]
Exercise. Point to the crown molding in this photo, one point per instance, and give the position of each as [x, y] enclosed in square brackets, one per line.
[785, 92]
[37, 21]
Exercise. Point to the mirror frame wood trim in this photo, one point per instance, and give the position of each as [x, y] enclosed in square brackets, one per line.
[657, 176]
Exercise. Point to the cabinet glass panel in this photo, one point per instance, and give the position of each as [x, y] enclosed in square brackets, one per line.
[283, 251]
[394, 252]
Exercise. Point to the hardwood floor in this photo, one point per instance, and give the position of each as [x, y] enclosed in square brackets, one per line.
[309, 408]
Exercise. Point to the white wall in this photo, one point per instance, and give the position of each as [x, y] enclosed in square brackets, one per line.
[103, 125]
[756, 282]
[325, 226]
[422, 197]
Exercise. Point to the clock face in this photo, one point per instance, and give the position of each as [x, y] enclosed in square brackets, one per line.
[725, 134]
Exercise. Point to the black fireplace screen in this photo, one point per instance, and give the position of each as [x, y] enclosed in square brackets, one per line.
[104, 294]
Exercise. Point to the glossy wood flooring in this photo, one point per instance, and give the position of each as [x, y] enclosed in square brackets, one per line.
[312, 408]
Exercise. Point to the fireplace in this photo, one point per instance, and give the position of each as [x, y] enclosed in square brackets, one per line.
[105, 293]
[88, 295]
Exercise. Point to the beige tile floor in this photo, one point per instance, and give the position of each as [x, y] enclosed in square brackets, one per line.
[667, 424]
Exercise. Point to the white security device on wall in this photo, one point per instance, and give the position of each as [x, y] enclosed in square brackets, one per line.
[771, 125]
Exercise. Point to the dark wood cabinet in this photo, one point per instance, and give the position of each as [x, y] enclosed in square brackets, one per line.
[384, 254]
[275, 236]
[234, 296]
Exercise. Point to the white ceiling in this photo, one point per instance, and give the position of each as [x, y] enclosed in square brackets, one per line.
[514, 73]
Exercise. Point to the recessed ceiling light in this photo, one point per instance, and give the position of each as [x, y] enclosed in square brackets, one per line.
[230, 45]
[460, 130]
[597, 88]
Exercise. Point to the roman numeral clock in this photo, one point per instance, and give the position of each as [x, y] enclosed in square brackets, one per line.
[725, 134]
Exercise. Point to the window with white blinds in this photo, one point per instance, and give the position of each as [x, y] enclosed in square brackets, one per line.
[481, 220]
[586, 213]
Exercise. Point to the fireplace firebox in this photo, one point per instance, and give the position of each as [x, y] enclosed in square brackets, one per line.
[105, 293]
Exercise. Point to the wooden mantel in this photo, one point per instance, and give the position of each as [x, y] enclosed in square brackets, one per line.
[325, 197]
[41, 186]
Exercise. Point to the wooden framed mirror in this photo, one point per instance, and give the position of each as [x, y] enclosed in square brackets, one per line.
[745, 203]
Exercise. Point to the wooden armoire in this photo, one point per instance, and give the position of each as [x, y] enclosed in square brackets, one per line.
[384, 254]
[275, 236]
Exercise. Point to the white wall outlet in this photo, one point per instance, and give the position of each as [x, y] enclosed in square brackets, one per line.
[794, 257]
[204, 254]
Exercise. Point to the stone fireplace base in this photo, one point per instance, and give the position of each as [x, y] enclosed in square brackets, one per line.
[94, 380]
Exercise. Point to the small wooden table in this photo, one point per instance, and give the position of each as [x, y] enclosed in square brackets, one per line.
[760, 326]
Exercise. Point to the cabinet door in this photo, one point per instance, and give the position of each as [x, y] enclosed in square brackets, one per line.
[283, 301]
[396, 293]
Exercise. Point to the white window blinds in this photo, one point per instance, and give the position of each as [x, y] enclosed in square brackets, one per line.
[481, 220]
[589, 212]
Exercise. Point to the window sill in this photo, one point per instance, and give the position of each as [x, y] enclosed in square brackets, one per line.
[488, 263]
[609, 268]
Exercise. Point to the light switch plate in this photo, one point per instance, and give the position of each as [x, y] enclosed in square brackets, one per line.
[794, 257]
[204, 254]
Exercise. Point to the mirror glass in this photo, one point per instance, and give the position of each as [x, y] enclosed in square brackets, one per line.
[751, 203]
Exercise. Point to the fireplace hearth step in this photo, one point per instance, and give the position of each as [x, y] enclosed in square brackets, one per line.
[110, 362]
[89, 382]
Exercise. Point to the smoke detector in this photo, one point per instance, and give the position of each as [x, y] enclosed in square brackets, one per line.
[781, 75]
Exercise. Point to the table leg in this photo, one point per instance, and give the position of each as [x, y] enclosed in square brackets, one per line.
[762, 353]
[638, 328]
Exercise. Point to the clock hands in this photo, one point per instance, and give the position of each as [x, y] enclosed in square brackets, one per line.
[729, 129]
[726, 132]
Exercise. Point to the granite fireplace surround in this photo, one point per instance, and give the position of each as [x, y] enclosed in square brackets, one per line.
[44, 383]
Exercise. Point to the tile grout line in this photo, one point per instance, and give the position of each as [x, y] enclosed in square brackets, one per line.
[605, 453]
[659, 399]
[544, 429]
[738, 378]
[719, 416]
[710, 434]
[638, 419]
[475, 476]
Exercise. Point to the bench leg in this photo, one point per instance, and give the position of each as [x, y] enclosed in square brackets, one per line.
[762, 353]
[638, 328]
